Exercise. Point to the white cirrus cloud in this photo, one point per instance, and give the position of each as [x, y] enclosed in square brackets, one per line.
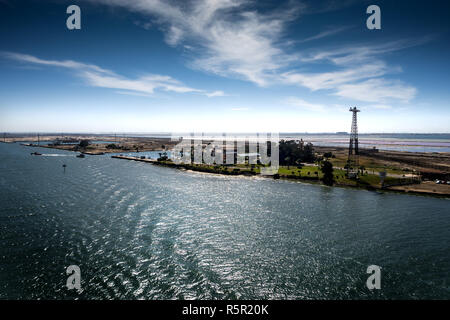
[355, 54]
[324, 34]
[377, 90]
[99, 77]
[217, 93]
[358, 73]
[232, 38]
[331, 80]
[300, 103]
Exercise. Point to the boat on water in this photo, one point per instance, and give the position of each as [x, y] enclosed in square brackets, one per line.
[81, 155]
[36, 154]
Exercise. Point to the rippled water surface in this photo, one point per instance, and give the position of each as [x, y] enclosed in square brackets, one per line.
[139, 231]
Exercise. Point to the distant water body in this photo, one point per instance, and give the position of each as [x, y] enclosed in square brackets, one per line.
[139, 231]
[412, 142]
[397, 142]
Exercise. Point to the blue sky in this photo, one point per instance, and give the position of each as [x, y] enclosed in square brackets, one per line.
[224, 66]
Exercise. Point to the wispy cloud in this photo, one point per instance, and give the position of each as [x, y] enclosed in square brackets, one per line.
[145, 25]
[216, 94]
[231, 38]
[300, 103]
[331, 80]
[55, 63]
[377, 90]
[324, 34]
[351, 54]
[359, 73]
[99, 77]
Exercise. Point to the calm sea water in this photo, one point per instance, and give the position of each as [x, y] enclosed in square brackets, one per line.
[139, 231]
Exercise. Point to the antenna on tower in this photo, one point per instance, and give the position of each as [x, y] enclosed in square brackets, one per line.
[353, 148]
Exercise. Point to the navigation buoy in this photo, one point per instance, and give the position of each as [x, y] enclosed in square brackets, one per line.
[64, 166]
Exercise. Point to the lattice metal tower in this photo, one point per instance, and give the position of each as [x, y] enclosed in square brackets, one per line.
[353, 148]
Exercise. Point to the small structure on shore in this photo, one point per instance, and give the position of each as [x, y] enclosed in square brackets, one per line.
[382, 175]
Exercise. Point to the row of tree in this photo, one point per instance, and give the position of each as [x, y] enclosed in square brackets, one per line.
[294, 152]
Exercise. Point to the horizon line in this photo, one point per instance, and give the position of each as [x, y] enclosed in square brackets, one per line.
[197, 131]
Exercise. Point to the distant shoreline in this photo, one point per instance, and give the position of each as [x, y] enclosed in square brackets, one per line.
[398, 164]
[407, 142]
[108, 145]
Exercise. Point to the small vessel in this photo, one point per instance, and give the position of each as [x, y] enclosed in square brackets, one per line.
[36, 154]
[81, 155]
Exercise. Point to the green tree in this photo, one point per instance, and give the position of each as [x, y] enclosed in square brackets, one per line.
[327, 170]
[293, 152]
[84, 143]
